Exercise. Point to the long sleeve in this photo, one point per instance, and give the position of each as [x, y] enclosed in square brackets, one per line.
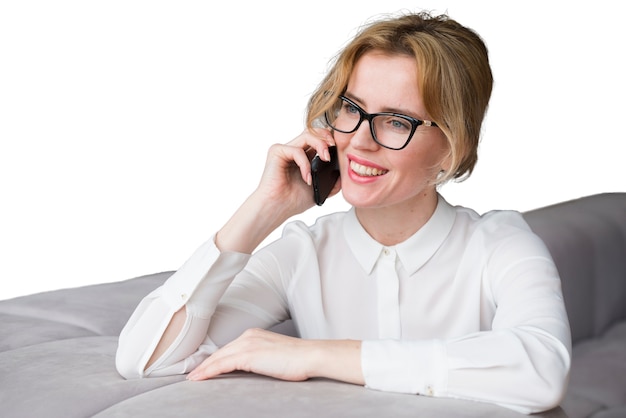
[469, 307]
[519, 360]
[199, 285]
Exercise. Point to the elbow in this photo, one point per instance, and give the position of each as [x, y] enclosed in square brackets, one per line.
[539, 382]
[555, 382]
[550, 400]
[549, 372]
[550, 386]
[552, 394]
[127, 371]
[555, 387]
[545, 395]
[128, 366]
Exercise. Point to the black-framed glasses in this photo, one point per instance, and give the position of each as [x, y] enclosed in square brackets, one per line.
[389, 130]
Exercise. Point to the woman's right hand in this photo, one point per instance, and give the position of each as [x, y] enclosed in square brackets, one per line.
[283, 191]
[286, 181]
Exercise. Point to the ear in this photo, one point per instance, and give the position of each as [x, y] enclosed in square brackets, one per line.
[444, 169]
[446, 162]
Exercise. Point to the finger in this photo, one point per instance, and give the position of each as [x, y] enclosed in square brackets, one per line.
[288, 155]
[325, 139]
[318, 142]
[315, 141]
[212, 367]
[304, 164]
[227, 359]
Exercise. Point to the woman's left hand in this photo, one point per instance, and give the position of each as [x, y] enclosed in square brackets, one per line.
[282, 357]
[258, 351]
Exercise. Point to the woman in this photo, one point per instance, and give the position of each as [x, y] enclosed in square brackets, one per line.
[402, 293]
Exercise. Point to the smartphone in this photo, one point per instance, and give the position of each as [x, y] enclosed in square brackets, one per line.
[325, 175]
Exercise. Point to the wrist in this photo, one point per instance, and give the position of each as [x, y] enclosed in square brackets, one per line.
[250, 225]
[336, 359]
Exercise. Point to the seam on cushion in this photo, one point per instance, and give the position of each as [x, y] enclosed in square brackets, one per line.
[41, 318]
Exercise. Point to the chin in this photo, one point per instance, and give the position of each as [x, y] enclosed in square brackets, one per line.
[361, 199]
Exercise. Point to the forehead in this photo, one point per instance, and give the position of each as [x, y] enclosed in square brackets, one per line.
[386, 66]
[382, 81]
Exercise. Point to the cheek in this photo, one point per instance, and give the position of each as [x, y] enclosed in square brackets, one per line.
[430, 154]
[423, 164]
[341, 140]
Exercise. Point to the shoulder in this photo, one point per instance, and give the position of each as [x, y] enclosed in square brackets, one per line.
[490, 221]
[323, 226]
[296, 251]
[494, 224]
[506, 250]
[298, 237]
[500, 230]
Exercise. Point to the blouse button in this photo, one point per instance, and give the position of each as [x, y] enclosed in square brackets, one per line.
[183, 296]
[386, 251]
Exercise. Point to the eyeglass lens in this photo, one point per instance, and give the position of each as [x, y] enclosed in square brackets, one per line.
[389, 130]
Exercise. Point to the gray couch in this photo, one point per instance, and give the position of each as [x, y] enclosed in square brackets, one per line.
[57, 348]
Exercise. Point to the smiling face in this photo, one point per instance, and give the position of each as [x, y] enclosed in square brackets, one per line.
[373, 177]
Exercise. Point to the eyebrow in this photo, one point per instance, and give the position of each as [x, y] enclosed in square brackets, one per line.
[405, 112]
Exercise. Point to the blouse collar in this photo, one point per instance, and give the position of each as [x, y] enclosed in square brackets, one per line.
[413, 252]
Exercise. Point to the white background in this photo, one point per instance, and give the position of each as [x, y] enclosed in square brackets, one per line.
[131, 130]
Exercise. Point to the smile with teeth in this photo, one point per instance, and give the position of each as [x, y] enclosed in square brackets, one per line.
[363, 170]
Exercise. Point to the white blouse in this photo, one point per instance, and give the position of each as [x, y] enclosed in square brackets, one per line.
[468, 307]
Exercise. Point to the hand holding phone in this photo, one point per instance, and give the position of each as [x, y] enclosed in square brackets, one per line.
[324, 175]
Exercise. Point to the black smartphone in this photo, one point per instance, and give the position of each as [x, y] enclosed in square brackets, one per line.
[325, 175]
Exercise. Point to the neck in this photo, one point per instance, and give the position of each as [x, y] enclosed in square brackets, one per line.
[391, 225]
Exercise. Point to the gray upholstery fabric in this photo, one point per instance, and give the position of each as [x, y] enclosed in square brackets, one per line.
[57, 348]
[66, 378]
[587, 239]
[240, 395]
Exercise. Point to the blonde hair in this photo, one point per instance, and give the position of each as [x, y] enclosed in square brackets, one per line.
[454, 77]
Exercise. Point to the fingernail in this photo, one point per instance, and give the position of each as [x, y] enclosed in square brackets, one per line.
[326, 155]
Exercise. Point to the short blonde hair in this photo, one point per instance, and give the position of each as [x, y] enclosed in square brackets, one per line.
[454, 77]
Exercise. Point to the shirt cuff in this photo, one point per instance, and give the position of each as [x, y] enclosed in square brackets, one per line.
[415, 367]
[203, 279]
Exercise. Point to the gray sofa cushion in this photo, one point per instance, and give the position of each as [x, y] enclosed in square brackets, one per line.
[76, 378]
[101, 309]
[598, 377]
[26, 330]
[242, 395]
[587, 239]
[73, 377]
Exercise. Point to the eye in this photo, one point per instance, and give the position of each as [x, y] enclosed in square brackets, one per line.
[397, 124]
[350, 108]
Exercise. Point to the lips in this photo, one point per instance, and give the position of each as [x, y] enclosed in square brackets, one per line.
[366, 171]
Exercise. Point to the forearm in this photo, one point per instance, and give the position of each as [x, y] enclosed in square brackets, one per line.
[284, 191]
[169, 336]
[488, 366]
[136, 355]
[253, 221]
[169, 324]
[495, 366]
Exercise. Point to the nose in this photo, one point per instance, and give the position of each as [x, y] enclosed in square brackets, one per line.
[362, 137]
